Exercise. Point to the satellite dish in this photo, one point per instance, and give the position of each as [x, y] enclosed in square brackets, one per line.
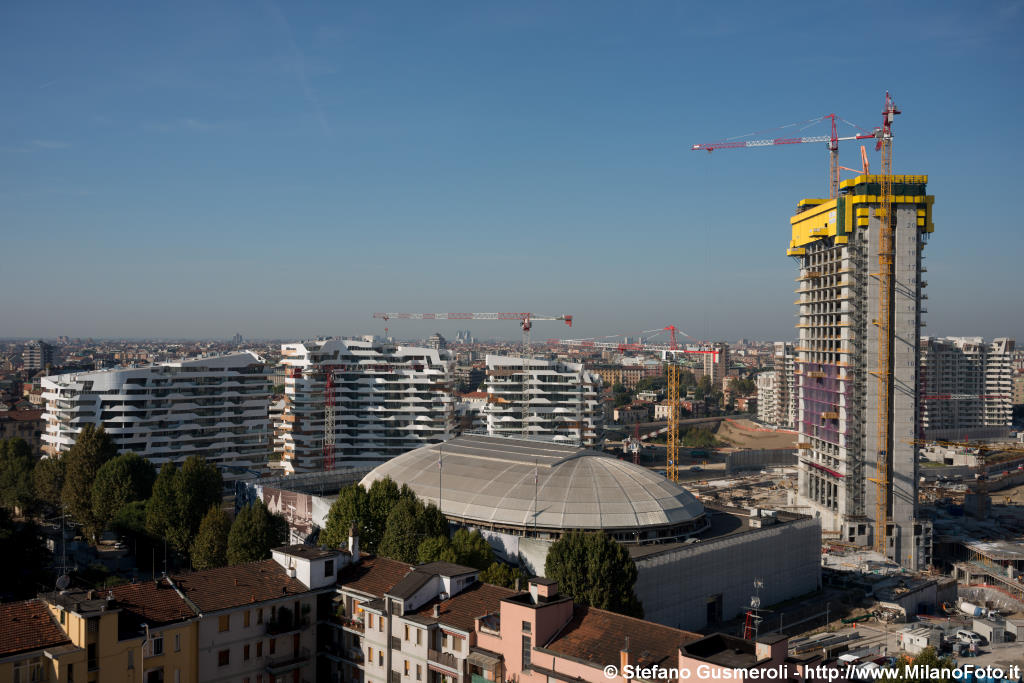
[63, 582]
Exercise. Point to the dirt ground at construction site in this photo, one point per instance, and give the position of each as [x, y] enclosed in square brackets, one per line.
[749, 435]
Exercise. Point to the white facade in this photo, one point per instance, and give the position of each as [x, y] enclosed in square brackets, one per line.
[966, 385]
[561, 400]
[716, 365]
[776, 389]
[215, 407]
[388, 400]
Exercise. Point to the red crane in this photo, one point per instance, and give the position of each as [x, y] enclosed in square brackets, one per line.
[832, 143]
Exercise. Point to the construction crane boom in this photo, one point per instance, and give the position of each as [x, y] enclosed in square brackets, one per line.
[832, 141]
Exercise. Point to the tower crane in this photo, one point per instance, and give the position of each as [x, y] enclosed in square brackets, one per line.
[884, 324]
[672, 377]
[526, 321]
[831, 142]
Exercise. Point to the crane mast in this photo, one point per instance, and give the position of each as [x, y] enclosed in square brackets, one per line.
[886, 236]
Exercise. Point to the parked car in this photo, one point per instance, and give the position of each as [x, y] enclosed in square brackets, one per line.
[968, 637]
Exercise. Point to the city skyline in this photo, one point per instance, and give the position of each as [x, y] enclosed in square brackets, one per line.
[285, 172]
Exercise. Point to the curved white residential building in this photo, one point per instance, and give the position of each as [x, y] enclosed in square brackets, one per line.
[562, 400]
[389, 399]
[215, 406]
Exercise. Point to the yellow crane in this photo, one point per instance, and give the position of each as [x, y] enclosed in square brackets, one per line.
[884, 324]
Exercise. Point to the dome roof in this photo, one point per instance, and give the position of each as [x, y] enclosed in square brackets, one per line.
[494, 480]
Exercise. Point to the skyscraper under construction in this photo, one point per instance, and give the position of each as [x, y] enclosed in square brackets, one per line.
[860, 293]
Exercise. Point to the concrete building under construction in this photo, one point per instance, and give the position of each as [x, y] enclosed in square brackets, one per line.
[860, 295]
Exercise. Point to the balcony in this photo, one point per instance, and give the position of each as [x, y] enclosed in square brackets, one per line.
[280, 665]
[286, 623]
[445, 659]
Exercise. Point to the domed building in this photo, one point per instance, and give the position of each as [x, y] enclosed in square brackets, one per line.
[539, 490]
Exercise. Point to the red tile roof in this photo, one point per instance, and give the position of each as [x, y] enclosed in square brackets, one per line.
[373, 575]
[226, 587]
[461, 610]
[151, 604]
[21, 415]
[596, 635]
[26, 626]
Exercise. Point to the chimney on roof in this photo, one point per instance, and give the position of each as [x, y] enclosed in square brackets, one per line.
[625, 658]
[437, 610]
[236, 580]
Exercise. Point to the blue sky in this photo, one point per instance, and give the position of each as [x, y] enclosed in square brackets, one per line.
[285, 169]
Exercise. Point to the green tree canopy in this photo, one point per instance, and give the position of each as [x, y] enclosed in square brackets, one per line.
[383, 496]
[408, 525]
[595, 570]
[927, 660]
[350, 506]
[472, 549]
[92, 449]
[254, 533]
[210, 549]
[124, 479]
[16, 465]
[48, 480]
[180, 495]
[436, 549]
[501, 574]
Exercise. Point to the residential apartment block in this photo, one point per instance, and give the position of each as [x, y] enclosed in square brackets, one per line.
[37, 355]
[966, 387]
[776, 389]
[558, 400]
[716, 365]
[388, 400]
[858, 379]
[215, 406]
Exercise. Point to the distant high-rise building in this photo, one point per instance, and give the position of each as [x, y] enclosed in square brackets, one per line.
[562, 399]
[388, 400]
[215, 406]
[776, 389]
[437, 342]
[966, 387]
[858, 379]
[237, 339]
[717, 365]
[37, 355]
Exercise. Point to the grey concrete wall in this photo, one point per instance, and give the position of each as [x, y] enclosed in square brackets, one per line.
[755, 460]
[676, 586]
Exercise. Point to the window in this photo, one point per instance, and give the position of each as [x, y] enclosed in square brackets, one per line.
[526, 652]
[245, 618]
[380, 657]
[380, 624]
[245, 653]
[259, 648]
[177, 642]
[224, 623]
[259, 616]
[369, 654]
[91, 657]
[419, 636]
[328, 567]
[527, 627]
[62, 616]
[71, 673]
[457, 644]
[407, 667]
[158, 646]
[407, 631]
[273, 645]
[419, 671]
[223, 657]
[370, 620]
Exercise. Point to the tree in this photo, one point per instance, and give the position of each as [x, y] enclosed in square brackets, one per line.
[26, 558]
[472, 549]
[926, 661]
[162, 509]
[350, 506]
[210, 549]
[408, 525]
[254, 533]
[501, 574]
[16, 464]
[48, 480]
[125, 479]
[594, 570]
[179, 498]
[92, 449]
[436, 549]
[703, 387]
[621, 395]
[198, 485]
